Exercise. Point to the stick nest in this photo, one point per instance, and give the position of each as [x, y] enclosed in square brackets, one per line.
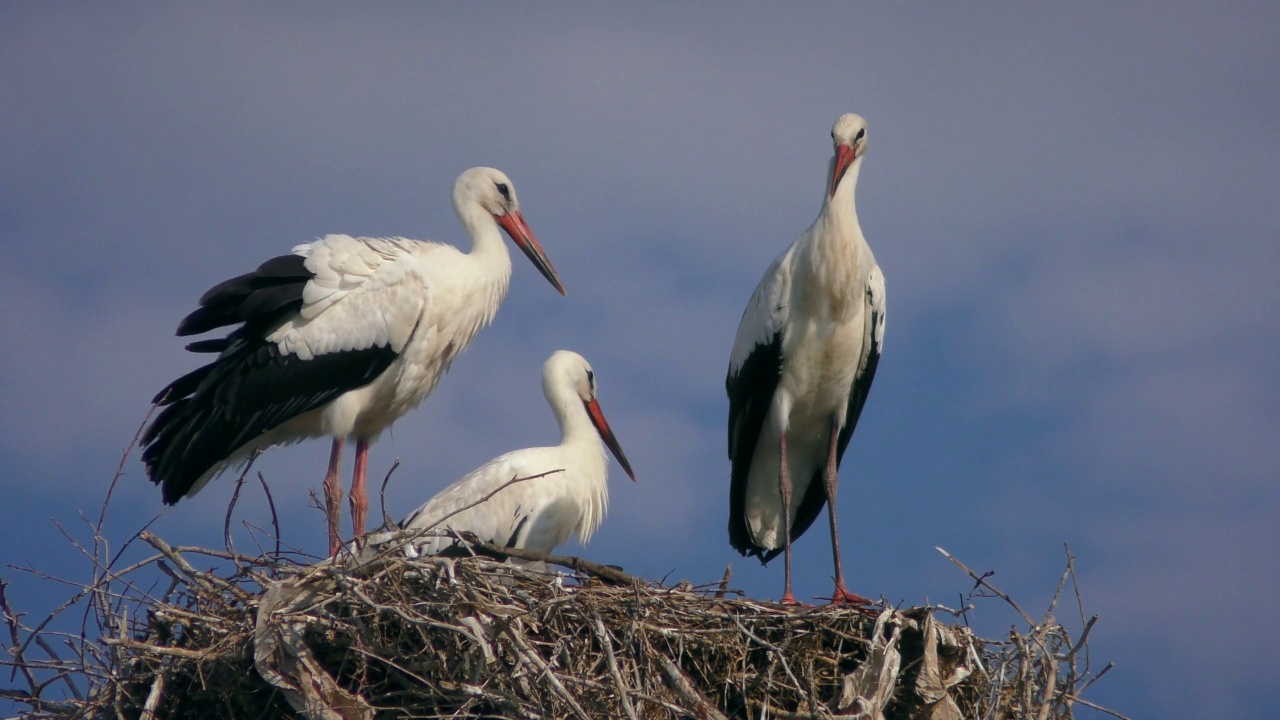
[399, 637]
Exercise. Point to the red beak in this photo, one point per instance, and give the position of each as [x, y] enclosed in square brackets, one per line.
[513, 222]
[845, 156]
[606, 434]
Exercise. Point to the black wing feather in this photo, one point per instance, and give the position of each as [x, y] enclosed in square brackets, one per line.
[178, 389]
[270, 300]
[285, 267]
[515, 534]
[239, 397]
[251, 387]
[750, 396]
[278, 283]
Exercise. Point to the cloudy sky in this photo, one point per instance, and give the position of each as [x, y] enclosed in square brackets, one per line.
[1075, 212]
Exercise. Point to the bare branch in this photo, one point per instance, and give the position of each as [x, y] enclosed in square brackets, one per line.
[382, 494]
[982, 580]
[11, 620]
[275, 519]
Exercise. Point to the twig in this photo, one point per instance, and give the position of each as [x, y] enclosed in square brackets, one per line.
[678, 681]
[227, 542]
[162, 650]
[534, 658]
[1075, 584]
[1048, 670]
[65, 677]
[1100, 708]
[793, 715]
[1062, 584]
[271, 503]
[382, 494]
[235, 496]
[604, 572]
[153, 697]
[401, 611]
[607, 643]
[16, 646]
[1084, 637]
[777, 651]
[982, 580]
[181, 562]
[1095, 678]
[124, 457]
[724, 582]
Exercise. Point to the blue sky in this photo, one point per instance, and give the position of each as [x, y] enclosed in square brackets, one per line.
[1074, 208]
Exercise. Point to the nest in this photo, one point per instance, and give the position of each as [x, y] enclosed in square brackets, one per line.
[433, 637]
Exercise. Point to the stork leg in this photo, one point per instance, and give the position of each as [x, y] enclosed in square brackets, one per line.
[333, 495]
[359, 498]
[831, 480]
[784, 488]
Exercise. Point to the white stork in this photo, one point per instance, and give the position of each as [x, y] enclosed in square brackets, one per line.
[567, 492]
[803, 360]
[340, 338]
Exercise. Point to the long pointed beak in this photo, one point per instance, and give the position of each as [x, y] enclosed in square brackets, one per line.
[845, 156]
[606, 434]
[513, 222]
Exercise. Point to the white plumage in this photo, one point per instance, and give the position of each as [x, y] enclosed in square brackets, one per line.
[340, 338]
[803, 361]
[539, 514]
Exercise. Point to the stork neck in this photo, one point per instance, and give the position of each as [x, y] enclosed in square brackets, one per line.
[486, 236]
[485, 274]
[580, 441]
[829, 257]
[575, 424]
[836, 227]
[841, 207]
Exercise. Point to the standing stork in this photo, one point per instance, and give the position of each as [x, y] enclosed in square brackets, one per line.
[567, 491]
[340, 338]
[803, 361]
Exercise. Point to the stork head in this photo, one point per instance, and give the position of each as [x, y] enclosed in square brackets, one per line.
[567, 372]
[494, 193]
[849, 136]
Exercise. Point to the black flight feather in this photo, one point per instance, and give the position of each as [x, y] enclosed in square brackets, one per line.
[277, 285]
[750, 393]
[251, 387]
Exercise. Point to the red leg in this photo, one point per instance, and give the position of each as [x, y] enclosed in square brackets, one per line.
[358, 497]
[332, 495]
[784, 488]
[831, 480]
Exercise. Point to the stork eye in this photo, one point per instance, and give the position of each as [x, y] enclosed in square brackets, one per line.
[504, 191]
[591, 379]
[861, 132]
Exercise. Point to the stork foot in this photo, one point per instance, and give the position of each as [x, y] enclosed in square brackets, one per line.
[843, 597]
[790, 600]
